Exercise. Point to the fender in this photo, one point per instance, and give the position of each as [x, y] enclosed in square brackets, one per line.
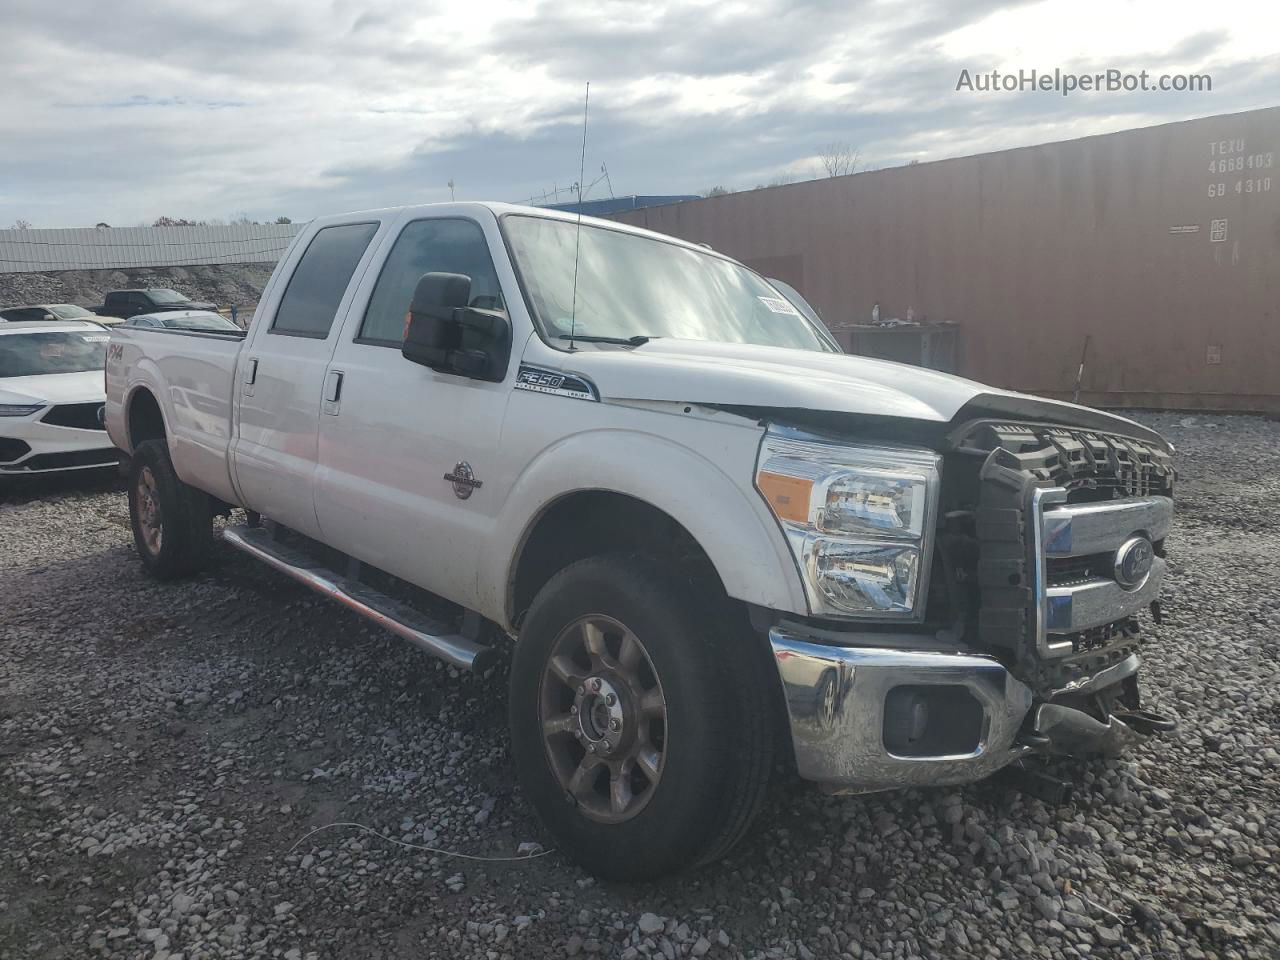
[200, 464]
[145, 376]
[722, 512]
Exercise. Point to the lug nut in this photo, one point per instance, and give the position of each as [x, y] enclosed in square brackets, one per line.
[573, 708]
[615, 724]
[610, 700]
[595, 684]
[591, 748]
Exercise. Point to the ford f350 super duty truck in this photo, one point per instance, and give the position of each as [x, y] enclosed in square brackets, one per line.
[711, 540]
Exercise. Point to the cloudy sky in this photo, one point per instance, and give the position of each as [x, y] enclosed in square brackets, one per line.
[127, 110]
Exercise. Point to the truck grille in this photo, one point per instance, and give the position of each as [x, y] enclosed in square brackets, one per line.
[1082, 461]
[1058, 507]
[1064, 571]
[1081, 538]
[82, 416]
[1100, 638]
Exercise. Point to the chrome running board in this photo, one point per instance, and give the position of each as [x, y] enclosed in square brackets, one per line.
[388, 613]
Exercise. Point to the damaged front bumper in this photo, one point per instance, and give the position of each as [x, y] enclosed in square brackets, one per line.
[865, 719]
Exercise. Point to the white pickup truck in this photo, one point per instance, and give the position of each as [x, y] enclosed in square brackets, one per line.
[714, 544]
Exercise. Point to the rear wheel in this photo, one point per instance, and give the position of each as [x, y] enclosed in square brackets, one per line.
[637, 719]
[172, 522]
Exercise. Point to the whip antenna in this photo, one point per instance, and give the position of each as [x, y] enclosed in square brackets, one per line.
[577, 237]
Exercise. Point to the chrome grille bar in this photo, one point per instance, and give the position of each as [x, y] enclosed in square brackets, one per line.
[1060, 529]
[1082, 529]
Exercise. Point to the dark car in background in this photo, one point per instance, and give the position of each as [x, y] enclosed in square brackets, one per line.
[130, 303]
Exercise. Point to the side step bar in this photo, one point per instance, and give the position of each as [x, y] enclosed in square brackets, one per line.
[383, 610]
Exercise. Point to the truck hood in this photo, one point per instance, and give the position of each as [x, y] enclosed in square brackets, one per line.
[84, 387]
[719, 374]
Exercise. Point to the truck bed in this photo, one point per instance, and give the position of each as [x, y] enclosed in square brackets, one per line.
[192, 376]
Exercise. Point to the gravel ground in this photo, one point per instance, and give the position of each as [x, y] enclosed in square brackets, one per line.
[165, 749]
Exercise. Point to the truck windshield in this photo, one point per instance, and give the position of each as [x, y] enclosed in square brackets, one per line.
[165, 295]
[636, 286]
[34, 354]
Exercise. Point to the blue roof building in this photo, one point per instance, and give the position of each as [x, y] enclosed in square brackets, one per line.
[611, 205]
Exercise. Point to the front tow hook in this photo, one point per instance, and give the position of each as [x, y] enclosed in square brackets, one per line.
[1056, 728]
[1145, 722]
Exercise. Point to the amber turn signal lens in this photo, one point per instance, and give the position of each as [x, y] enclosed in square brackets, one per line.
[788, 496]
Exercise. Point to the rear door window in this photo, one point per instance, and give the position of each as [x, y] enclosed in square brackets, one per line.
[320, 279]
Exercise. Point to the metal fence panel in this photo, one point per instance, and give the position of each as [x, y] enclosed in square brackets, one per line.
[108, 248]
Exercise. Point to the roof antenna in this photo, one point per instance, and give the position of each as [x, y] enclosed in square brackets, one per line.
[577, 237]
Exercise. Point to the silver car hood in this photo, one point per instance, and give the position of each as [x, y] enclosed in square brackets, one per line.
[745, 375]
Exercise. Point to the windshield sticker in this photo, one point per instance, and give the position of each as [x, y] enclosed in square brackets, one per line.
[778, 305]
[559, 384]
[97, 338]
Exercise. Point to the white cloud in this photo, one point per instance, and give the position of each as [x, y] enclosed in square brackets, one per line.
[1125, 32]
[130, 110]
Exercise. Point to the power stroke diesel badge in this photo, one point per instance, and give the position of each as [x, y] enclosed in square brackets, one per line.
[463, 479]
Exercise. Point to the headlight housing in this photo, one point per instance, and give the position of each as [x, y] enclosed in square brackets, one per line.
[859, 520]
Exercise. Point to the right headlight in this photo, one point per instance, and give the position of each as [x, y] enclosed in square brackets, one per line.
[859, 520]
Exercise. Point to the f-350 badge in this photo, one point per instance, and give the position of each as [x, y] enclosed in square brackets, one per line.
[463, 479]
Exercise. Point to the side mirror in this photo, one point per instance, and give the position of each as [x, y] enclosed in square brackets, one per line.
[442, 332]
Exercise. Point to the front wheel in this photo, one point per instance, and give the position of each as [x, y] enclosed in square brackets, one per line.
[172, 522]
[639, 722]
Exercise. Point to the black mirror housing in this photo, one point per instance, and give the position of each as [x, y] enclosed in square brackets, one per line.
[445, 334]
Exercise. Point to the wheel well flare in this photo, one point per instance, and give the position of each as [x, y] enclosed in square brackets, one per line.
[593, 523]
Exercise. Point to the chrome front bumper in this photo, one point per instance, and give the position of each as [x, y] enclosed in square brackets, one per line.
[836, 700]
[846, 703]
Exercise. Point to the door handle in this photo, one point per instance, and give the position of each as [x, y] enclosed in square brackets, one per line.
[250, 375]
[332, 392]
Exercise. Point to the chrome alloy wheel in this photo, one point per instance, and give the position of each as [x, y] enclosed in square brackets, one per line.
[604, 718]
[150, 517]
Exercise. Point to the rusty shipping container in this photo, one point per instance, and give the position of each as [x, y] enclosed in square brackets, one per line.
[1161, 245]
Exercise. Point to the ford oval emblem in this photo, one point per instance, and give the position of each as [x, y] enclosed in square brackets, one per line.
[1133, 562]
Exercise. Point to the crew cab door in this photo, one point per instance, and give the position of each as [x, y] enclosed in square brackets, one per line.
[281, 372]
[393, 432]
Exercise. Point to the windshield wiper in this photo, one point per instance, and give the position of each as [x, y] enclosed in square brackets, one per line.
[636, 341]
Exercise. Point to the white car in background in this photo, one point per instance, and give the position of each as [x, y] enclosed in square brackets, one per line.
[51, 397]
[53, 312]
[198, 321]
